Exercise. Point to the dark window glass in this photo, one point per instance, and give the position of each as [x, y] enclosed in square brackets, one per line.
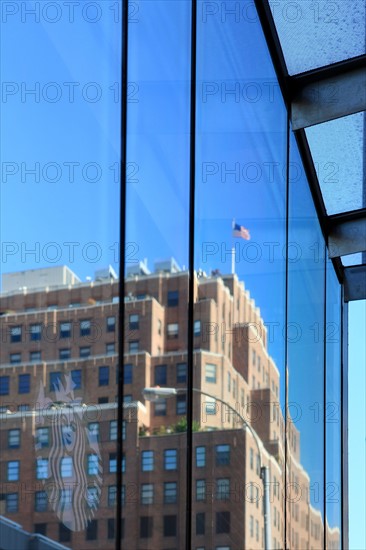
[146, 527]
[40, 501]
[12, 502]
[200, 523]
[76, 378]
[181, 373]
[55, 380]
[170, 526]
[160, 375]
[92, 530]
[222, 455]
[173, 298]
[64, 354]
[111, 528]
[16, 334]
[127, 374]
[222, 522]
[24, 383]
[64, 534]
[4, 385]
[103, 376]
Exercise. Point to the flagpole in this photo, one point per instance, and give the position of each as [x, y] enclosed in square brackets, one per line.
[232, 249]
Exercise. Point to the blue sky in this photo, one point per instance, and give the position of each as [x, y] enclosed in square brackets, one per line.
[74, 145]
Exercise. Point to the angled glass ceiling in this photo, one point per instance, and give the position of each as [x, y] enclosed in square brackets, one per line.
[314, 34]
[339, 156]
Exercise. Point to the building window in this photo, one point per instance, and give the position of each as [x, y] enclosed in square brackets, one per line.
[181, 407]
[55, 380]
[200, 489]
[93, 497]
[110, 348]
[111, 324]
[16, 334]
[65, 329]
[93, 465]
[66, 466]
[112, 463]
[64, 534]
[11, 502]
[93, 431]
[92, 530]
[13, 470]
[113, 430]
[251, 526]
[181, 373]
[228, 381]
[35, 356]
[197, 328]
[76, 379]
[85, 327]
[222, 522]
[23, 407]
[112, 495]
[210, 373]
[170, 492]
[4, 385]
[172, 330]
[103, 376]
[170, 459]
[170, 526]
[146, 527]
[40, 501]
[223, 489]
[15, 358]
[35, 332]
[160, 407]
[200, 523]
[42, 468]
[222, 454]
[84, 352]
[200, 457]
[127, 374]
[133, 346]
[134, 321]
[256, 530]
[147, 461]
[147, 493]
[159, 326]
[42, 438]
[14, 438]
[24, 383]
[64, 354]
[173, 298]
[111, 528]
[210, 405]
[160, 377]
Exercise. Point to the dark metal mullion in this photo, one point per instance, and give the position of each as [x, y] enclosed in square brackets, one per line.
[122, 258]
[192, 169]
[344, 421]
[286, 313]
[325, 398]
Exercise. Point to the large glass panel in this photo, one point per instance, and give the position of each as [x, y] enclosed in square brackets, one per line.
[157, 280]
[240, 237]
[314, 34]
[60, 65]
[305, 366]
[333, 408]
[338, 151]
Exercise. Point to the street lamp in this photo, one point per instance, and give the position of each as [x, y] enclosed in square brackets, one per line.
[157, 393]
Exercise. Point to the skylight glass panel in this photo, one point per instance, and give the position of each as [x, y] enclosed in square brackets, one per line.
[314, 34]
[339, 156]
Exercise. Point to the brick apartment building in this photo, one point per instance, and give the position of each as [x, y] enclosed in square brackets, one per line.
[59, 366]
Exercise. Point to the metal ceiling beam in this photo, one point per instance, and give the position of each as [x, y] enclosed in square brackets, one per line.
[347, 234]
[355, 283]
[326, 95]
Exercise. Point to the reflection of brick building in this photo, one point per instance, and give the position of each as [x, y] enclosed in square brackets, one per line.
[70, 330]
